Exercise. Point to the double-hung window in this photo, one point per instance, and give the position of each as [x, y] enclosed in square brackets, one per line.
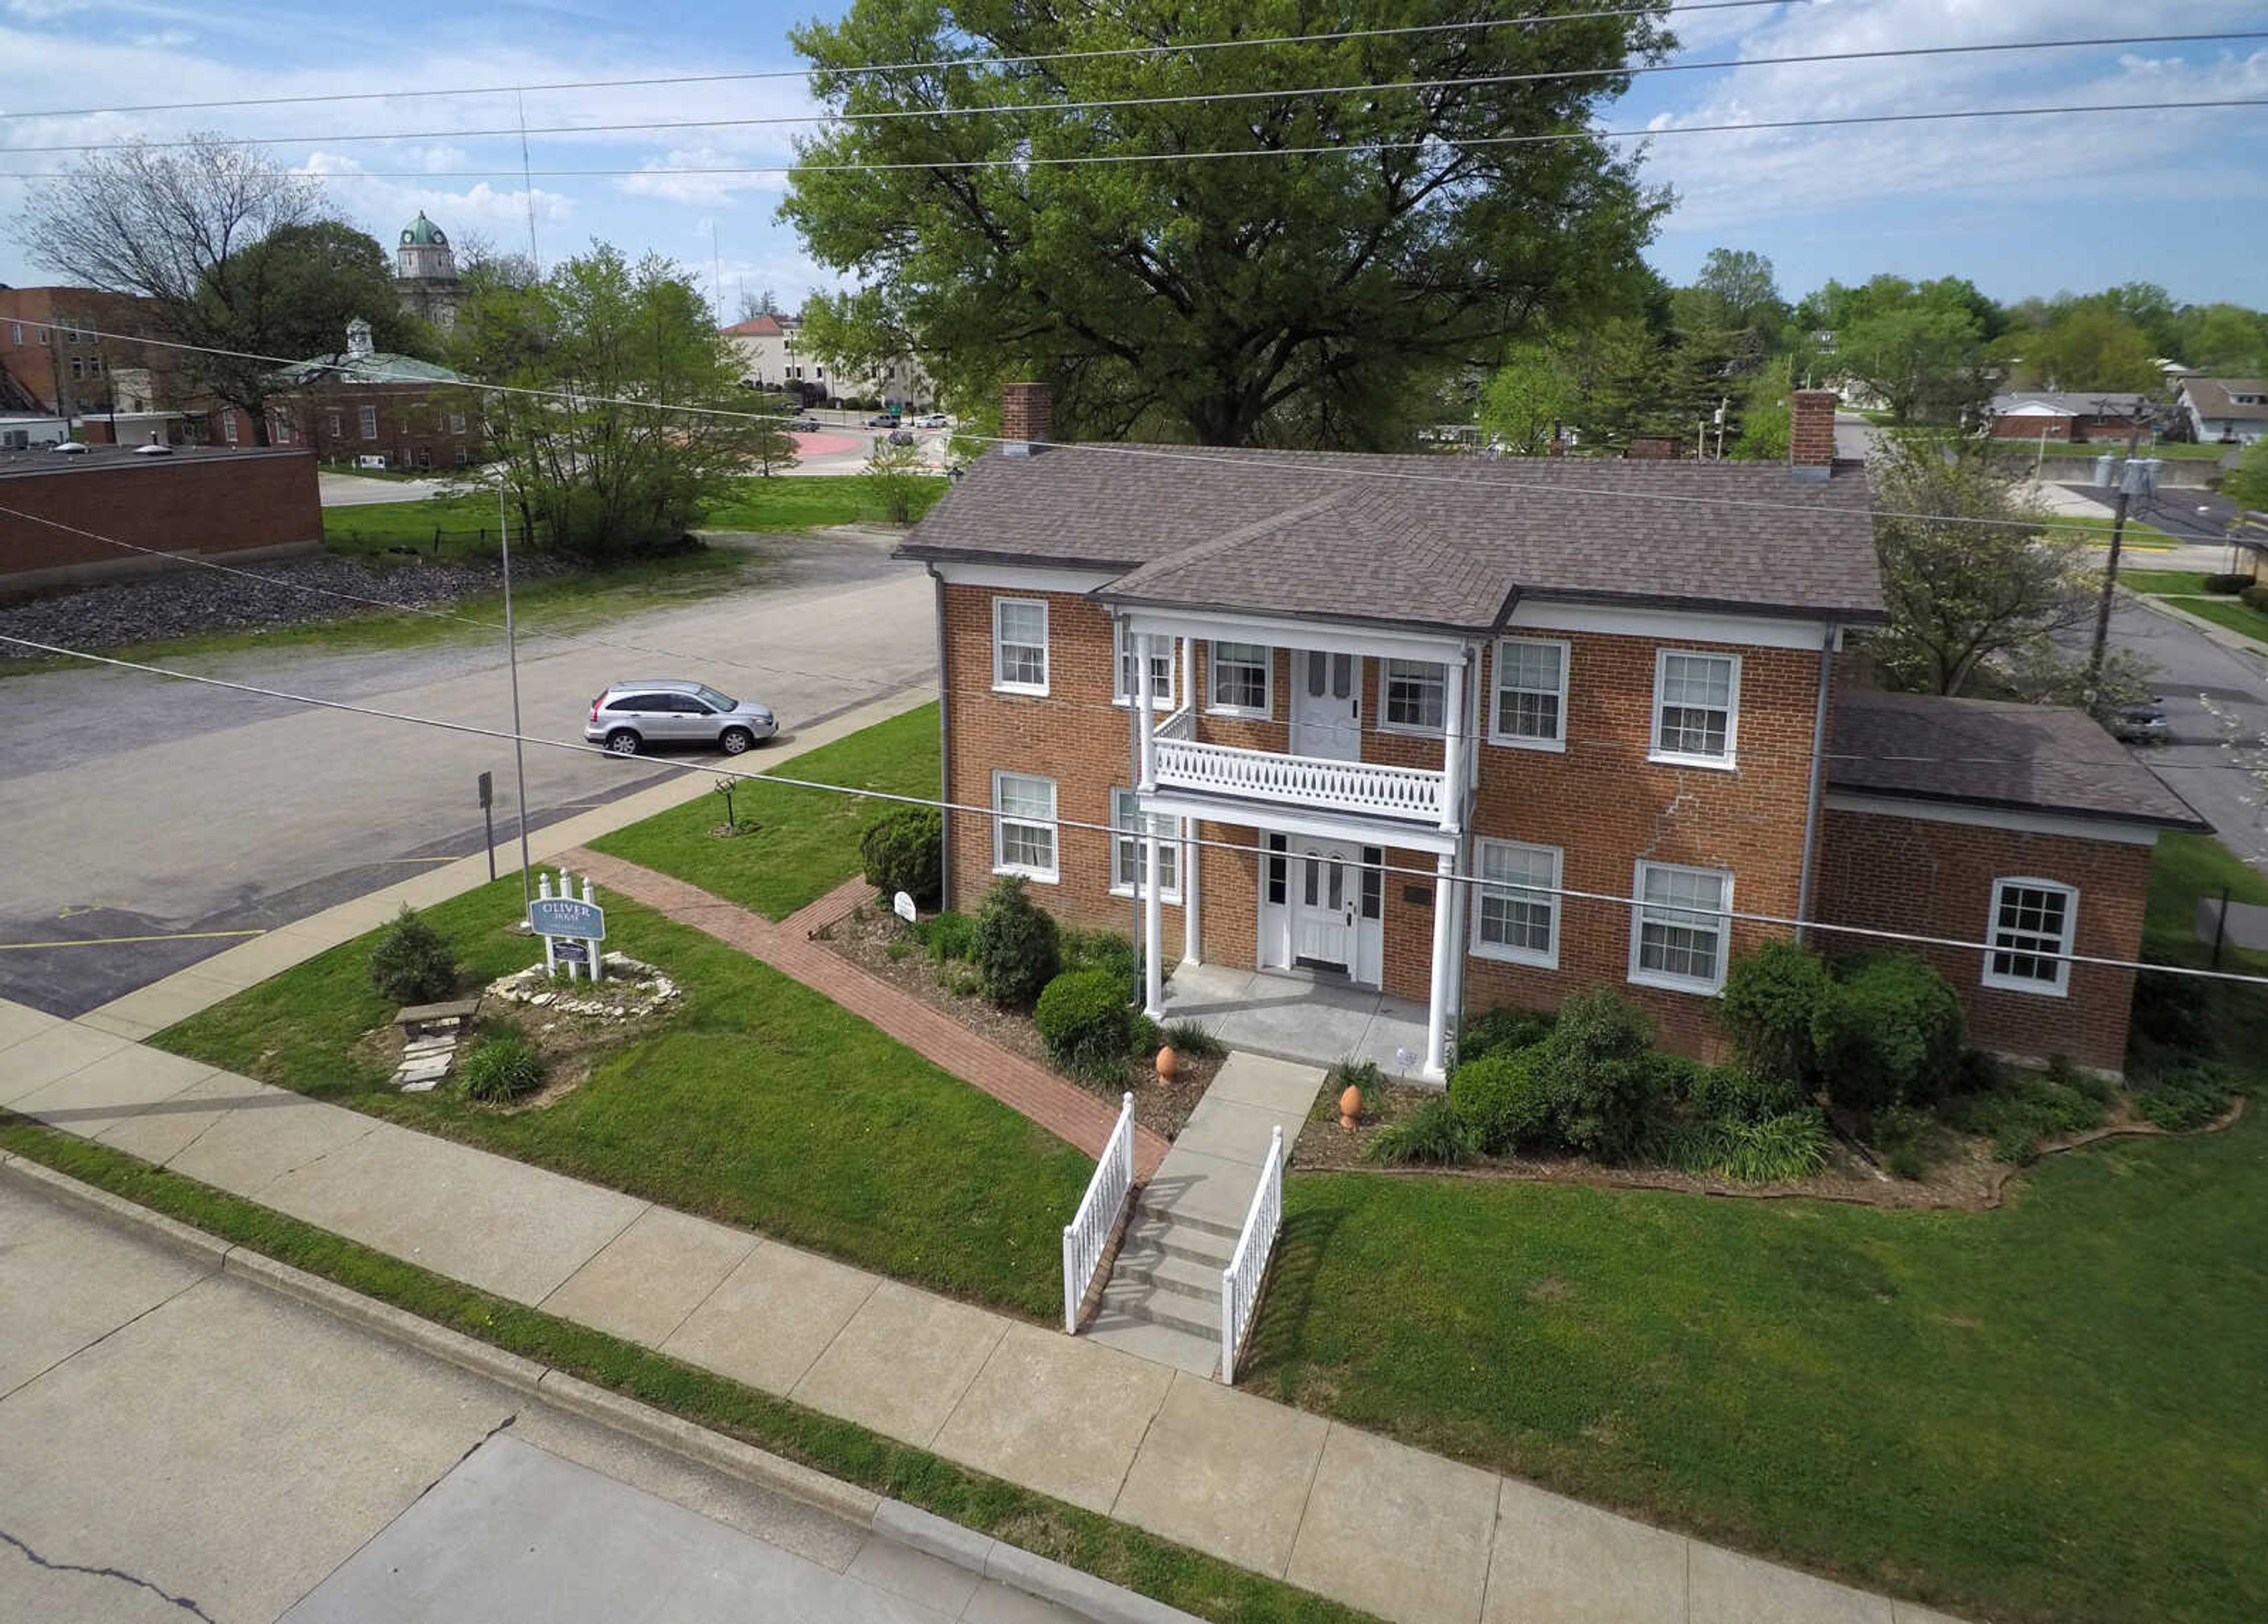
[1416, 695]
[1679, 926]
[456, 423]
[1124, 644]
[1024, 826]
[1517, 914]
[1697, 701]
[370, 422]
[1531, 693]
[228, 427]
[1128, 847]
[1020, 645]
[2033, 924]
[1240, 686]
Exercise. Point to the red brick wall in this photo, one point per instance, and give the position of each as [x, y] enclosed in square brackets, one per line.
[1889, 873]
[211, 504]
[2032, 428]
[1811, 428]
[415, 424]
[1605, 806]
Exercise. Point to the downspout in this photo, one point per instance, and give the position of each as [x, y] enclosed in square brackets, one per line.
[943, 747]
[1818, 784]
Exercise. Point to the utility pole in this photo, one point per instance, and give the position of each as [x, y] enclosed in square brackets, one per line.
[512, 657]
[2129, 478]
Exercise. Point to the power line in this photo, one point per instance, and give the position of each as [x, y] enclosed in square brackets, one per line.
[1178, 48]
[1190, 98]
[1116, 832]
[1483, 473]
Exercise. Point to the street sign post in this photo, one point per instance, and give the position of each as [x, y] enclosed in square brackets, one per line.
[571, 928]
[488, 818]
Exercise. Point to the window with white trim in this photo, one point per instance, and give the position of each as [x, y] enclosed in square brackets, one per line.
[1020, 645]
[1123, 643]
[1697, 701]
[228, 429]
[456, 423]
[1531, 693]
[370, 422]
[1024, 826]
[1127, 848]
[332, 418]
[1517, 917]
[1415, 695]
[1678, 927]
[2033, 924]
[1240, 681]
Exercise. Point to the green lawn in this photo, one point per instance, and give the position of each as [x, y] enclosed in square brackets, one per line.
[2169, 451]
[2162, 582]
[760, 1103]
[2230, 613]
[2189, 586]
[373, 527]
[808, 502]
[2139, 536]
[2050, 1411]
[808, 841]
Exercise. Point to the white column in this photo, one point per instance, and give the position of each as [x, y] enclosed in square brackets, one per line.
[1154, 969]
[1445, 943]
[1192, 952]
[1453, 744]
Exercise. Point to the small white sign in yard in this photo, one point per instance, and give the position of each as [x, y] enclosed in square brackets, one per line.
[902, 906]
[566, 916]
[571, 930]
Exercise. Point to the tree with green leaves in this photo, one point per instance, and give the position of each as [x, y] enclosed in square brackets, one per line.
[2088, 345]
[895, 476]
[1525, 400]
[301, 284]
[2247, 484]
[1292, 298]
[599, 463]
[2223, 340]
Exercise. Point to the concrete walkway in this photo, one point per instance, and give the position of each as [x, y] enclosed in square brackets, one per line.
[1062, 1107]
[1404, 1534]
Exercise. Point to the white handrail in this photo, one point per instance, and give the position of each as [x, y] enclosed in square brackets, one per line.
[1248, 1265]
[1301, 780]
[1090, 1230]
[1181, 725]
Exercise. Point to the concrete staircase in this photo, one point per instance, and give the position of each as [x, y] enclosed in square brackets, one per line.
[1163, 1298]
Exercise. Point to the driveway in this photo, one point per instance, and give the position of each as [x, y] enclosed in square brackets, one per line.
[353, 490]
[138, 808]
[182, 1444]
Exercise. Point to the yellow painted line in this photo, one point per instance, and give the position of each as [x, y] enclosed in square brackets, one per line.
[113, 941]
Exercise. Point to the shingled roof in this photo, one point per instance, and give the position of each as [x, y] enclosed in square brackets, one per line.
[1994, 754]
[1437, 541]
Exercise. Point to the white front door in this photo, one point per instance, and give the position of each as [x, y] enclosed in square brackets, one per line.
[1326, 897]
[1327, 705]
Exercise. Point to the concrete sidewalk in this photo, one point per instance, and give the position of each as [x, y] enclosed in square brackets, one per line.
[1376, 1524]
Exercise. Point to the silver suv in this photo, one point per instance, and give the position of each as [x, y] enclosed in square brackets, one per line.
[629, 716]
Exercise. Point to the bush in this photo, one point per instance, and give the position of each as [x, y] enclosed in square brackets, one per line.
[1888, 1032]
[1017, 951]
[2173, 1012]
[2183, 1096]
[2026, 1108]
[960, 977]
[1772, 996]
[501, 1068]
[1601, 1072]
[1363, 1076]
[412, 963]
[1901, 1134]
[2255, 597]
[1503, 1030]
[1503, 1102]
[904, 850]
[2227, 584]
[1776, 1150]
[1733, 1094]
[1189, 1038]
[1429, 1137]
[1103, 950]
[1088, 1025]
[949, 935]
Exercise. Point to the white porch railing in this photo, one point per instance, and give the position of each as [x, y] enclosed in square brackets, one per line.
[1085, 1236]
[1248, 1265]
[1301, 780]
[1181, 725]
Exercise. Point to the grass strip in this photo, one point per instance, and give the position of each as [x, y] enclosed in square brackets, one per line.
[1095, 1544]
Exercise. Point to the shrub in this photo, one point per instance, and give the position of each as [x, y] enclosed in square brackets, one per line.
[1191, 1039]
[1734, 1094]
[960, 977]
[412, 963]
[1776, 1150]
[1017, 951]
[1600, 1071]
[1901, 1134]
[1103, 950]
[501, 1068]
[2183, 1096]
[904, 850]
[2227, 584]
[1502, 1101]
[2255, 597]
[949, 935]
[1772, 996]
[1088, 1025]
[1363, 1076]
[1888, 1032]
[1429, 1136]
[2173, 1012]
[1503, 1030]
[1147, 1039]
[2025, 1109]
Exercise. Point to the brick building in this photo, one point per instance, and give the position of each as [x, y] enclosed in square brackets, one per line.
[367, 402]
[201, 504]
[57, 358]
[2063, 415]
[1602, 691]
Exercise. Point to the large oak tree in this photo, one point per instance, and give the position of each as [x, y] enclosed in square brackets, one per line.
[1286, 298]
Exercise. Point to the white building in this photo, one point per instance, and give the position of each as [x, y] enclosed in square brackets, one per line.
[2224, 410]
[772, 357]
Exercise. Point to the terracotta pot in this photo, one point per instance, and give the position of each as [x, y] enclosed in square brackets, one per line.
[1168, 1064]
[1350, 1106]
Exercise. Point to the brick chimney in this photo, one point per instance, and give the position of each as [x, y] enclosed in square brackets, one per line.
[1811, 433]
[1028, 418]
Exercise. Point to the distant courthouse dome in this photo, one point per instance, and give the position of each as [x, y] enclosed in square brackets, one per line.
[421, 234]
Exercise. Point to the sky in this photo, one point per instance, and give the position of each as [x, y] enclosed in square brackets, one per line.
[2019, 206]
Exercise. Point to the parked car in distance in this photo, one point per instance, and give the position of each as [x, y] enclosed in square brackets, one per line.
[668, 710]
[935, 420]
[883, 420]
[2141, 724]
[809, 425]
[902, 436]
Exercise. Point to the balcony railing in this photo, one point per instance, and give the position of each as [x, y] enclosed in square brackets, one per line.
[1301, 780]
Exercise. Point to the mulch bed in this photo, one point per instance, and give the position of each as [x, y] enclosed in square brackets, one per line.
[867, 935]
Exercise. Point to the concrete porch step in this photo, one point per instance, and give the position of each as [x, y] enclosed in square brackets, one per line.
[1199, 1356]
[1151, 1232]
[1139, 1299]
[1200, 1282]
[1180, 1216]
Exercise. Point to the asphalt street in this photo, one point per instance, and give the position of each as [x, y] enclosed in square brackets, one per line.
[137, 807]
[2197, 764]
[182, 1444]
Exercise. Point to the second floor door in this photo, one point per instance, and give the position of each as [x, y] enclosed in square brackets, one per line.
[1327, 705]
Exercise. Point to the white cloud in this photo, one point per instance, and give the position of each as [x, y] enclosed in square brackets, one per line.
[662, 177]
[46, 10]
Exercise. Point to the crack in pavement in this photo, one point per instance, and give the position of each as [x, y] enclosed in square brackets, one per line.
[167, 1597]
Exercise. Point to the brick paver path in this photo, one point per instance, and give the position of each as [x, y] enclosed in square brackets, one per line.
[1062, 1108]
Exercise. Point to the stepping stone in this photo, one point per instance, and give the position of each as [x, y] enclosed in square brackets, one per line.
[428, 1071]
[425, 1087]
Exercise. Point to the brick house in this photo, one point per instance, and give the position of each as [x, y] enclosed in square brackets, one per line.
[1604, 691]
[367, 402]
[2063, 414]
